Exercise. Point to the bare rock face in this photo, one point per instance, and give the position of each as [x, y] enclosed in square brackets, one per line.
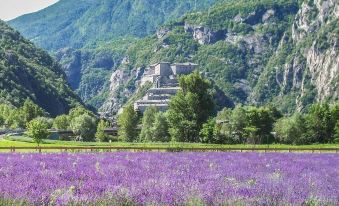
[253, 42]
[119, 91]
[322, 64]
[112, 104]
[162, 32]
[268, 15]
[324, 69]
[316, 66]
[311, 17]
[205, 35]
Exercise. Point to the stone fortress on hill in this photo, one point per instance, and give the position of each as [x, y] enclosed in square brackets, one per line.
[164, 79]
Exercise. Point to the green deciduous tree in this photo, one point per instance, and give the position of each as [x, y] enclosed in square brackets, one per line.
[84, 126]
[291, 130]
[320, 121]
[61, 122]
[160, 128]
[30, 111]
[16, 119]
[78, 111]
[183, 118]
[231, 125]
[148, 119]
[37, 129]
[2, 121]
[196, 84]
[100, 135]
[207, 133]
[260, 124]
[128, 122]
[190, 108]
[336, 132]
[48, 121]
[246, 124]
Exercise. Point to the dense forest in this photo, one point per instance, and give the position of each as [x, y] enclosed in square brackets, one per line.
[27, 72]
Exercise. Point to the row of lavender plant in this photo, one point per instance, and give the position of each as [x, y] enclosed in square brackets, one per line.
[170, 179]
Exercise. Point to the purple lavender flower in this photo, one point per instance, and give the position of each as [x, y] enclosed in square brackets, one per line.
[170, 178]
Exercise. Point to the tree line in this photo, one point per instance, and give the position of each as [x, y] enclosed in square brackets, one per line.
[191, 117]
[85, 124]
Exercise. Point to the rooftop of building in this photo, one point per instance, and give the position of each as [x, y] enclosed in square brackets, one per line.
[175, 64]
[153, 65]
[184, 64]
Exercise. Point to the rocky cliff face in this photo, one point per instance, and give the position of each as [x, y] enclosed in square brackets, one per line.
[310, 71]
[123, 85]
[205, 35]
[323, 63]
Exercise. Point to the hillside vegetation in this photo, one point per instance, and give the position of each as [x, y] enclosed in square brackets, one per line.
[87, 21]
[256, 52]
[27, 72]
[89, 38]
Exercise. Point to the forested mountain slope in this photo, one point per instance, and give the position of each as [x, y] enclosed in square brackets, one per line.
[29, 72]
[89, 37]
[283, 52]
[256, 52]
[76, 23]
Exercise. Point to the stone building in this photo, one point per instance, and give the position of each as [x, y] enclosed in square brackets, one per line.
[164, 77]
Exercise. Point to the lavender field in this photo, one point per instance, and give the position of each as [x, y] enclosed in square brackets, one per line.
[169, 179]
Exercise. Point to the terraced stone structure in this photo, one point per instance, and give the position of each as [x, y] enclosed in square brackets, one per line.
[164, 77]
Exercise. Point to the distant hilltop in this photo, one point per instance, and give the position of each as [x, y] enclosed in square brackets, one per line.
[164, 79]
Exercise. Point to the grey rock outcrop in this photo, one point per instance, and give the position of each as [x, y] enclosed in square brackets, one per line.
[310, 72]
[205, 35]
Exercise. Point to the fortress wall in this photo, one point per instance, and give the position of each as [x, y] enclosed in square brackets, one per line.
[163, 69]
